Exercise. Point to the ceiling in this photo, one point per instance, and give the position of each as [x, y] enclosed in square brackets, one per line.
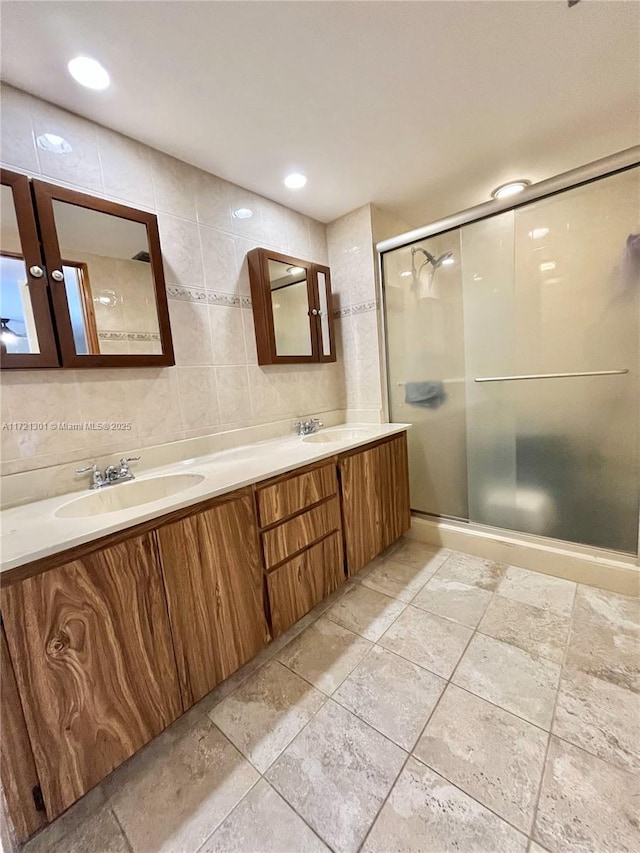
[420, 107]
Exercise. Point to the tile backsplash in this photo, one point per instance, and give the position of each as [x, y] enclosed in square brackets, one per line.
[216, 384]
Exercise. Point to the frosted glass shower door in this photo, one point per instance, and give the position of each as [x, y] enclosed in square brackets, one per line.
[483, 325]
[554, 288]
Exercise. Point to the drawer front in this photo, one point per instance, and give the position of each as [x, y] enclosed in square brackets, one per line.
[286, 539]
[286, 497]
[297, 586]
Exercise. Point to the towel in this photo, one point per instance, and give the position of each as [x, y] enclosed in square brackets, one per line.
[429, 395]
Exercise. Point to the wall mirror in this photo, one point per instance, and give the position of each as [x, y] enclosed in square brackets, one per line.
[90, 292]
[292, 309]
[107, 284]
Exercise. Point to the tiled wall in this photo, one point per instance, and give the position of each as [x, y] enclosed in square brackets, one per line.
[217, 383]
[353, 262]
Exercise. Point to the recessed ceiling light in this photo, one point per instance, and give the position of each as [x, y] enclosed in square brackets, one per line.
[538, 233]
[88, 72]
[448, 261]
[295, 181]
[512, 188]
[547, 266]
[243, 213]
[295, 270]
[54, 143]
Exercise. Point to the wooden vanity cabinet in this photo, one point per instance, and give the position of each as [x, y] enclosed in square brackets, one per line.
[375, 499]
[93, 660]
[110, 642]
[213, 579]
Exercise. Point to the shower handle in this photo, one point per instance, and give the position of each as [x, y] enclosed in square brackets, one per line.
[551, 375]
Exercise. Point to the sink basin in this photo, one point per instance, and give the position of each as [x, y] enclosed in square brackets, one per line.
[331, 436]
[128, 495]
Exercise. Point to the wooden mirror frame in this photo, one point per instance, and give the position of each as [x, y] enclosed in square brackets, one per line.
[38, 287]
[45, 194]
[258, 261]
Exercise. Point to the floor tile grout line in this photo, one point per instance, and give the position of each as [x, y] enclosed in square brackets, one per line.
[330, 699]
[536, 808]
[411, 752]
[385, 630]
[325, 699]
[121, 827]
[500, 817]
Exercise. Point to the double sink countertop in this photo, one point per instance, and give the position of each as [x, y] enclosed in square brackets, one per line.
[35, 530]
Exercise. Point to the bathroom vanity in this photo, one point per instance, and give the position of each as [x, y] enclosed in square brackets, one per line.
[121, 621]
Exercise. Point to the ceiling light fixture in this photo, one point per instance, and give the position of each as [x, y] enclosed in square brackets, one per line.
[538, 233]
[447, 262]
[405, 274]
[295, 181]
[242, 213]
[53, 143]
[547, 266]
[512, 188]
[295, 270]
[88, 72]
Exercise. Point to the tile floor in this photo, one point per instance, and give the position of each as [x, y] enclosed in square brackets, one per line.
[437, 702]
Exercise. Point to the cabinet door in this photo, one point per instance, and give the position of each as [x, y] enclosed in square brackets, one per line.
[360, 508]
[326, 339]
[91, 649]
[297, 586]
[394, 489]
[104, 261]
[214, 586]
[17, 767]
[26, 336]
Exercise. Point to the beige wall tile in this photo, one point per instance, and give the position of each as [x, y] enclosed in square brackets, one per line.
[181, 253]
[174, 185]
[126, 168]
[17, 140]
[218, 257]
[190, 327]
[81, 166]
[204, 248]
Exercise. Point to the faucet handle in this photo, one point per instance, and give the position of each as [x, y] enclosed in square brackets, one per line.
[317, 422]
[93, 467]
[126, 459]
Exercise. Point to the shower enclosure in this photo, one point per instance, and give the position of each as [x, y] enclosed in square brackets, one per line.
[512, 348]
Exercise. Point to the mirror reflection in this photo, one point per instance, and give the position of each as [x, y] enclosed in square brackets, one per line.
[108, 282]
[290, 304]
[17, 324]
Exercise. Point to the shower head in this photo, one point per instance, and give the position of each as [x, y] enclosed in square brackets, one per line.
[431, 259]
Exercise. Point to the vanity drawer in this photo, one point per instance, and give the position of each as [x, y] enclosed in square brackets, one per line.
[286, 539]
[297, 586]
[288, 496]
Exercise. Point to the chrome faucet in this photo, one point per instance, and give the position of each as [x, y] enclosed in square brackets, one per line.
[308, 427]
[112, 473]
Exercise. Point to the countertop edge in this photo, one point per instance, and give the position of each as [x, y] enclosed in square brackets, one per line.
[169, 505]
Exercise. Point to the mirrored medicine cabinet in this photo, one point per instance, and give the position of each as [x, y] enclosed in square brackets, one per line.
[291, 308]
[82, 283]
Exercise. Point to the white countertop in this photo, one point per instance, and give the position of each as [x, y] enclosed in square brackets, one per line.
[32, 531]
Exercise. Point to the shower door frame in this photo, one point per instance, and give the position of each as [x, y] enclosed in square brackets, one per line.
[583, 175]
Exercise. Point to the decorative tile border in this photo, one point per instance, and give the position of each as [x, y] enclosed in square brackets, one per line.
[208, 297]
[218, 297]
[360, 308]
[129, 336]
